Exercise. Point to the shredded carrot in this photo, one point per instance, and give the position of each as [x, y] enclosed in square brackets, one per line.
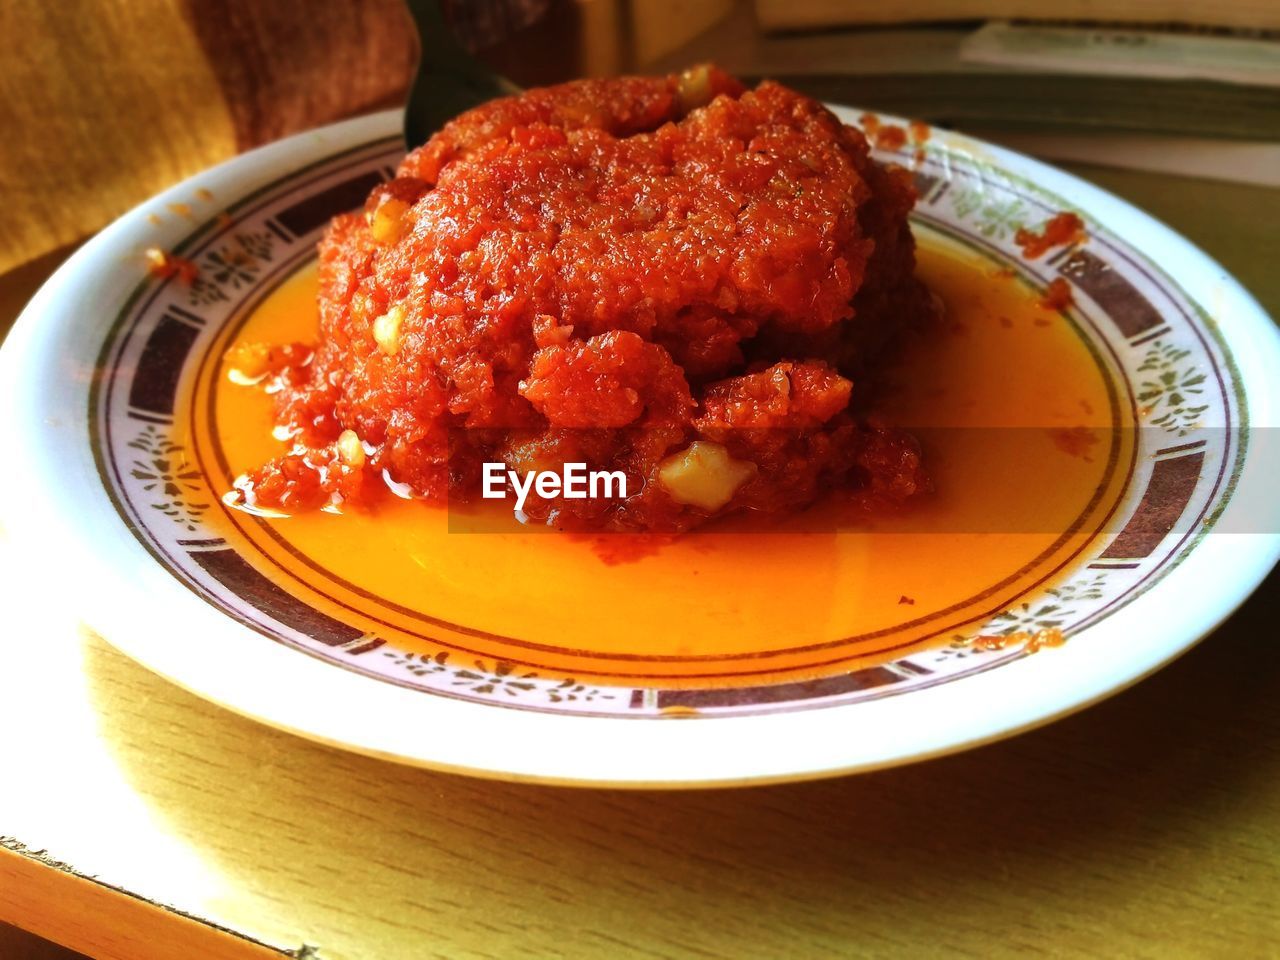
[1031, 641]
[1057, 296]
[164, 265]
[1052, 637]
[1063, 229]
[890, 137]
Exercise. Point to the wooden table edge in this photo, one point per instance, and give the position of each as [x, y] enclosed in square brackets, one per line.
[51, 899]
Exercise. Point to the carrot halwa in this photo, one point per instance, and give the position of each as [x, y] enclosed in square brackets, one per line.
[676, 278]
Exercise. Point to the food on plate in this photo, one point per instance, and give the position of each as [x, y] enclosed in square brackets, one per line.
[162, 264]
[1062, 229]
[677, 279]
[1057, 295]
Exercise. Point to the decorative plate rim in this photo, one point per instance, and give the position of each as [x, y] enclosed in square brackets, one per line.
[308, 696]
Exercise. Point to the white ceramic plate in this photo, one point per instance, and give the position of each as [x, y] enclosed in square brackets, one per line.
[100, 367]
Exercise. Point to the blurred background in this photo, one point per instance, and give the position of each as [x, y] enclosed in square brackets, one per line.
[113, 100]
[1173, 104]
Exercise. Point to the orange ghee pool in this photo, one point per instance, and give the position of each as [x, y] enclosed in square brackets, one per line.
[732, 604]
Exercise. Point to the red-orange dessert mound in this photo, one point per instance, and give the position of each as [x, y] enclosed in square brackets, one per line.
[675, 278]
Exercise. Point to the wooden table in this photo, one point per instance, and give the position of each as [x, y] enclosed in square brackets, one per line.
[140, 822]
